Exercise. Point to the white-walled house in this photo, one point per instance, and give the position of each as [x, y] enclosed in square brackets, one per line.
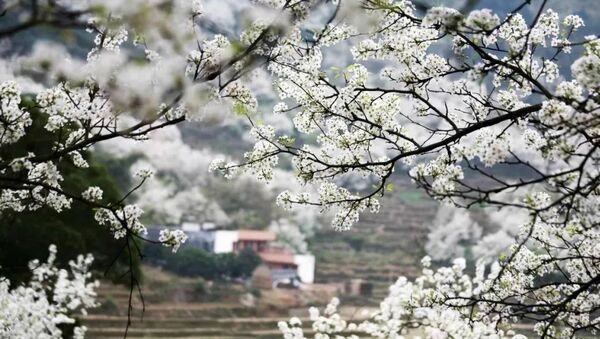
[306, 267]
[225, 241]
[280, 261]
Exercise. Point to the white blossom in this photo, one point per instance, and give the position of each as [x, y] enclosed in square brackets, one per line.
[172, 238]
[92, 193]
[52, 297]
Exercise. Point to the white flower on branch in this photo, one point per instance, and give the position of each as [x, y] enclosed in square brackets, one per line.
[51, 298]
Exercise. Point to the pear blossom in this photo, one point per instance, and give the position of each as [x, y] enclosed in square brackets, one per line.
[52, 297]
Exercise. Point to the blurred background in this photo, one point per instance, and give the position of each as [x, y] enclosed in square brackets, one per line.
[247, 263]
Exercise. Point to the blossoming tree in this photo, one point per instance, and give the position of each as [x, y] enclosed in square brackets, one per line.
[451, 97]
[458, 97]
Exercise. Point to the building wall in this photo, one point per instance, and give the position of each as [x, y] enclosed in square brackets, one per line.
[200, 239]
[280, 266]
[224, 241]
[256, 245]
[306, 267]
[190, 227]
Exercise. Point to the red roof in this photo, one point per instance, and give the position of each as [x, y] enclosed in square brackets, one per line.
[277, 258]
[251, 235]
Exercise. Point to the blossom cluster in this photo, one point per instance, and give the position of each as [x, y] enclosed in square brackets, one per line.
[52, 298]
[14, 120]
[415, 306]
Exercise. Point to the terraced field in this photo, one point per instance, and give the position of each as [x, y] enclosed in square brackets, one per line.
[174, 308]
[225, 319]
[380, 247]
[197, 328]
[184, 327]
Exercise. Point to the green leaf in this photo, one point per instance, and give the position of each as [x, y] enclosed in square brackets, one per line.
[286, 140]
[240, 109]
[236, 47]
[389, 187]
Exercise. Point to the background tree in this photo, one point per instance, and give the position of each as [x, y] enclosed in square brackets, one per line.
[26, 236]
[195, 262]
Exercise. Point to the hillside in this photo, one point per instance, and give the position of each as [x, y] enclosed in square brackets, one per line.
[380, 247]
